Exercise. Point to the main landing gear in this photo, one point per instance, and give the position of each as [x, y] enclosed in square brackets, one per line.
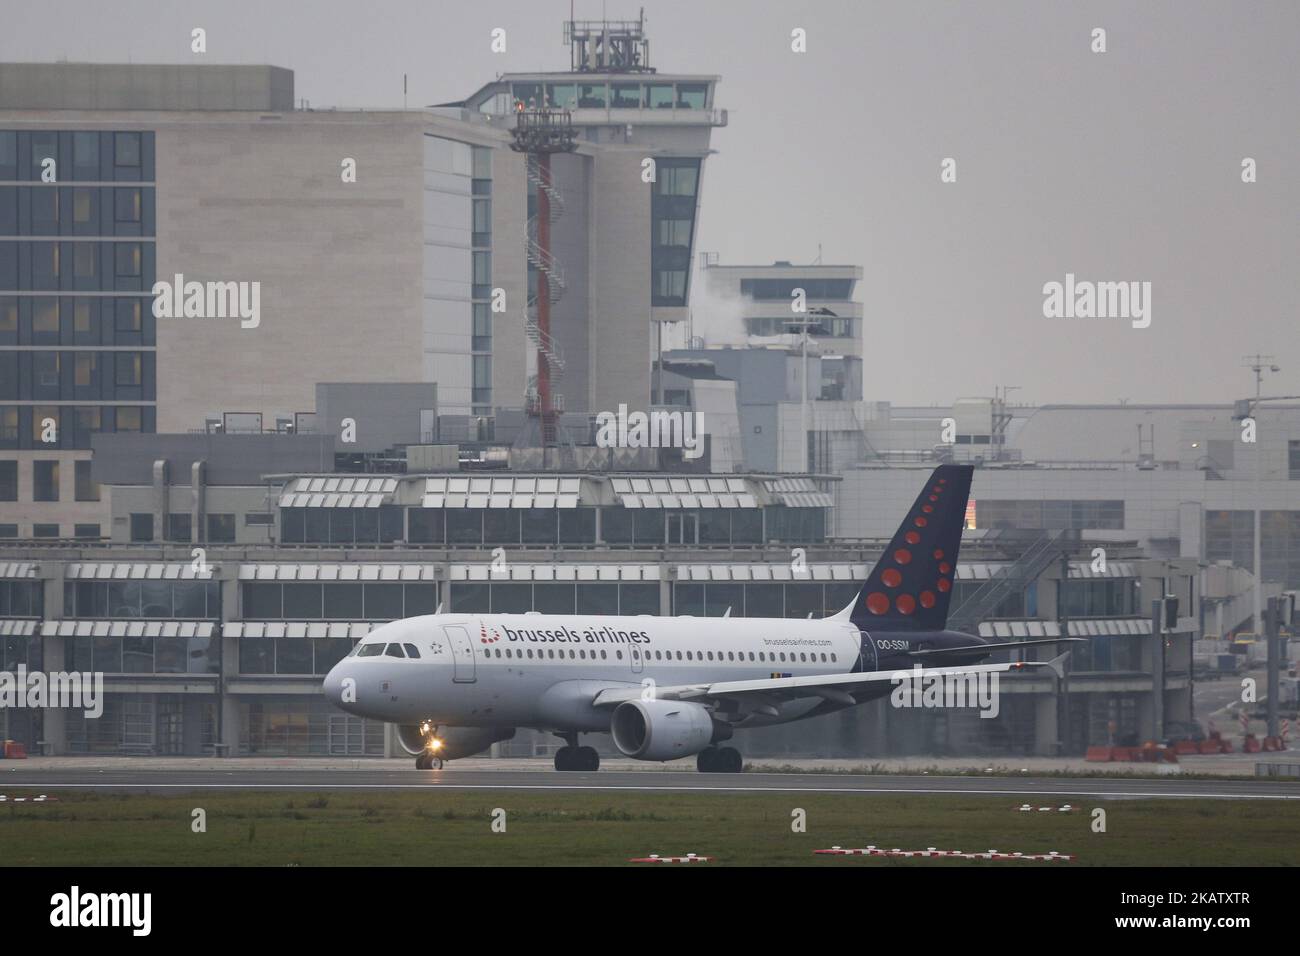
[428, 762]
[719, 760]
[573, 757]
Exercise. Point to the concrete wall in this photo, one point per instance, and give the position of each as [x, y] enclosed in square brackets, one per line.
[145, 86]
[123, 459]
[620, 283]
[386, 415]
[339, 263]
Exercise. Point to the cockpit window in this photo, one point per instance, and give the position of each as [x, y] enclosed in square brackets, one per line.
[411, 650]
[370, 650]
[395, 650]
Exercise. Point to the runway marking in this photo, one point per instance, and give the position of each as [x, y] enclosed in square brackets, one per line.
[1157, 795]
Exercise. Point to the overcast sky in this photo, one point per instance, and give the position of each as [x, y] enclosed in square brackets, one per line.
[1122, 166]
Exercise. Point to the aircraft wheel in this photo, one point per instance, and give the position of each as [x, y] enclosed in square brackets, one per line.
[588, 759]
[564, 758]
[706, 761]
[422, 762]
[730, 760]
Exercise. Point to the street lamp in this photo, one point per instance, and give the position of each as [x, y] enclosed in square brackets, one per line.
[1259, 364]
[806, 324]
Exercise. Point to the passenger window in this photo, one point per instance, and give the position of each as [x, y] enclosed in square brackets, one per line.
[832, 658]
[602, 655]
[370, 650]
[619, 655]
[411, 650]
[395, 650]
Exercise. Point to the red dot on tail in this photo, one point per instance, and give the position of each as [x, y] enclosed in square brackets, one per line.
[938, 553]
[927, 599]
[919, 521]
[944, 584]
[927, 508]
[891, 577]
[905, 603]
[877, 603]
[912, 537]
[902, 556]
[944, 567]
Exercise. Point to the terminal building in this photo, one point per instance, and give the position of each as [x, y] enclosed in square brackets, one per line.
[211, 511]
[217, 643]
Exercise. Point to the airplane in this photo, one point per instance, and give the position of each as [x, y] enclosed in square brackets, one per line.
[671, 687]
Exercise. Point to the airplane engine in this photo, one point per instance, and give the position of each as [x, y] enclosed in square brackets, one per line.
[660, 729]
[454, 742]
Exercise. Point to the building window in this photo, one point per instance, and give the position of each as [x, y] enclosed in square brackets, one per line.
[127, 369]
[83, 260]
[482, 390]
[179, 527]
[85, 155]
[1293, 460]
[86, 373]
[83, 207]
[45, 481]
[127, 204]
[221, 528]
[127, 312]
[8, 481]
[141, 527]
[86, 531]
[45, 531]
[128, 419]
[672, 215]
[87, 490]
[126, 149]
[127, 258]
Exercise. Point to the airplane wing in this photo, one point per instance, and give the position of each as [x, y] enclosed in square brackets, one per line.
[1004, 646]
[834, 687]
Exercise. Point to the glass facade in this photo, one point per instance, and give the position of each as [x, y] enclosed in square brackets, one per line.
[622, 94]
[481, 333]
[1230, 536]
[146, 598]
[1035, 514]
[77, 332]
[673, 197]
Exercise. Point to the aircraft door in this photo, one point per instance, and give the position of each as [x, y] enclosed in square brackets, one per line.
[462, 654]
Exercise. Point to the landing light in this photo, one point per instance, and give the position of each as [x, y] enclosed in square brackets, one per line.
[434, 745]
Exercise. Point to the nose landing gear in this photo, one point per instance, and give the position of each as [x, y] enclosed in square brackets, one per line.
[430, 759]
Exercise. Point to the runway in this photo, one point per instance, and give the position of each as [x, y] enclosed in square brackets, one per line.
[271, 779]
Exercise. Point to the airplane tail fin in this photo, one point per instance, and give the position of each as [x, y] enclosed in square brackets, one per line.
[911, 585]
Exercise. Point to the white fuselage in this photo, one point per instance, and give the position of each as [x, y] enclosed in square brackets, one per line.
[543, 671]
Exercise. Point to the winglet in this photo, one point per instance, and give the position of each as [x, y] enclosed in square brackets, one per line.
[1057, 664]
